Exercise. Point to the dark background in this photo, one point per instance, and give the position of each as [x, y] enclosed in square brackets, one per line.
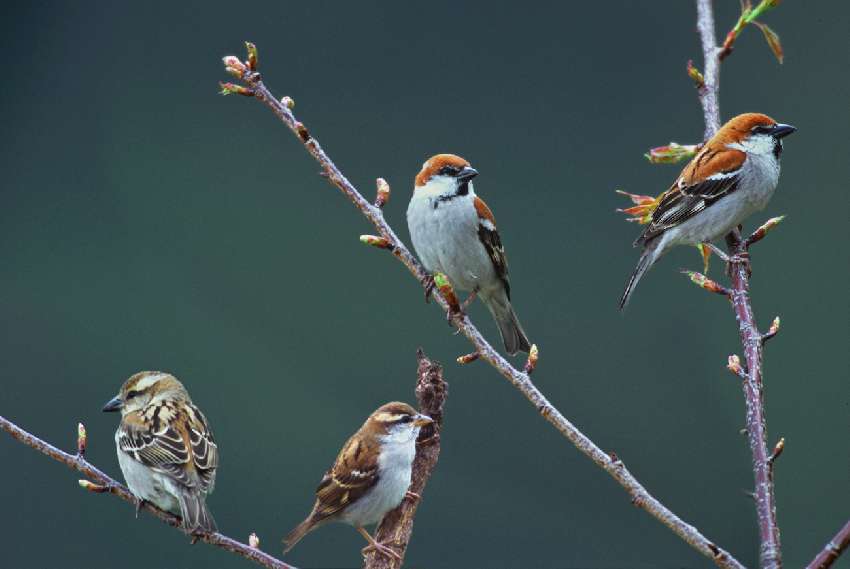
[149, 223]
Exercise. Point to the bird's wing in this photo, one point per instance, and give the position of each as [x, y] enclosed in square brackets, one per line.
[711, 175]
[489, 237]
[176, 445]
[204, 448]
[353, 474]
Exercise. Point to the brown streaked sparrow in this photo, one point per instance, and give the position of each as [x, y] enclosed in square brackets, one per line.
[370, 477]
[454, 232]
[732, 176]
[166, 450]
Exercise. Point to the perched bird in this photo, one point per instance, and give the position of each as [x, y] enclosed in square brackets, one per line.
[370, 477]
[165, 448]
[731, 177]
[454, 232]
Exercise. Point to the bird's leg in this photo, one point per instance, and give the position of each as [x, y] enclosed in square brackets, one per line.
[377, 547]
[429, 284]
[412, 496]
[742, 257]
[469, 299]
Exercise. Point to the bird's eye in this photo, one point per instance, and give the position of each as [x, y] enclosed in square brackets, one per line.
[405, 419]
[449, 170]
[131, 394]
[762, 129]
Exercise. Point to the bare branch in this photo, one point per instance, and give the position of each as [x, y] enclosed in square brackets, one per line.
[520, 380]
[105, 484]
[397, 526]
[832, 550]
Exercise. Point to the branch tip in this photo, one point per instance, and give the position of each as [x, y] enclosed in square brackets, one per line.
[383, 195]
[442, 283]
[695, 75]
[531, 362]
[706, 283]
[468, 358]
[375, 241]
[233, 89]
[672, 153]
[734, 365]
[762, 231]
[92, 487]
[82, 440]
[252, 55]
[777, 451]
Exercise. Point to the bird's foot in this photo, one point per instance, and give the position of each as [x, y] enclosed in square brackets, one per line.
[381, 549]
[743, 258]
[412, 496]
[429, 284]
[140, 503]
[376, 546]
[469, 300]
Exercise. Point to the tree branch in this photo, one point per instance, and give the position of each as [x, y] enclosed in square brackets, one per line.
[770, 555]
[397, 526]
[254, 87]
[105, 484]
[832, 550]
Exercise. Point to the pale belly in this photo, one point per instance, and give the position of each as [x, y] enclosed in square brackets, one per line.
[148, 485]
[446, 240]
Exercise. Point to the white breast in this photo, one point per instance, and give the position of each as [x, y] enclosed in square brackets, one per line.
[394, 470]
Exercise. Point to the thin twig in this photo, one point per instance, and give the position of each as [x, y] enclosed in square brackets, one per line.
[770, 553]
[105, 484]
[520, 380]
[397, 526]
[832, 550]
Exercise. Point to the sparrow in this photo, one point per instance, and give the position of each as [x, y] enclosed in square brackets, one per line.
[370, 477]
[732, 176]
[454, 232]
[166, 450]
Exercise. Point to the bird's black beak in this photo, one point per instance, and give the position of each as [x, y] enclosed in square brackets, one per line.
[467, 173]
[113, 404]
[783, 130]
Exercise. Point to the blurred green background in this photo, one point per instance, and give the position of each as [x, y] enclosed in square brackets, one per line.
[149, 223]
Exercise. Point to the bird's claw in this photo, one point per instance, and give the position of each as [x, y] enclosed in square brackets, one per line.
[412, 496]
[140, 503]
[381, 549]
[429, 284]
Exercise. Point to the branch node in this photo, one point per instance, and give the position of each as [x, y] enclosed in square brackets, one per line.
[287, 102]
[254, 541]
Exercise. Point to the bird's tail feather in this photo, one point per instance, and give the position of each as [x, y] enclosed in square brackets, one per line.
[196, 516]
[299, 532]
[646, 260]
[511, 330]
